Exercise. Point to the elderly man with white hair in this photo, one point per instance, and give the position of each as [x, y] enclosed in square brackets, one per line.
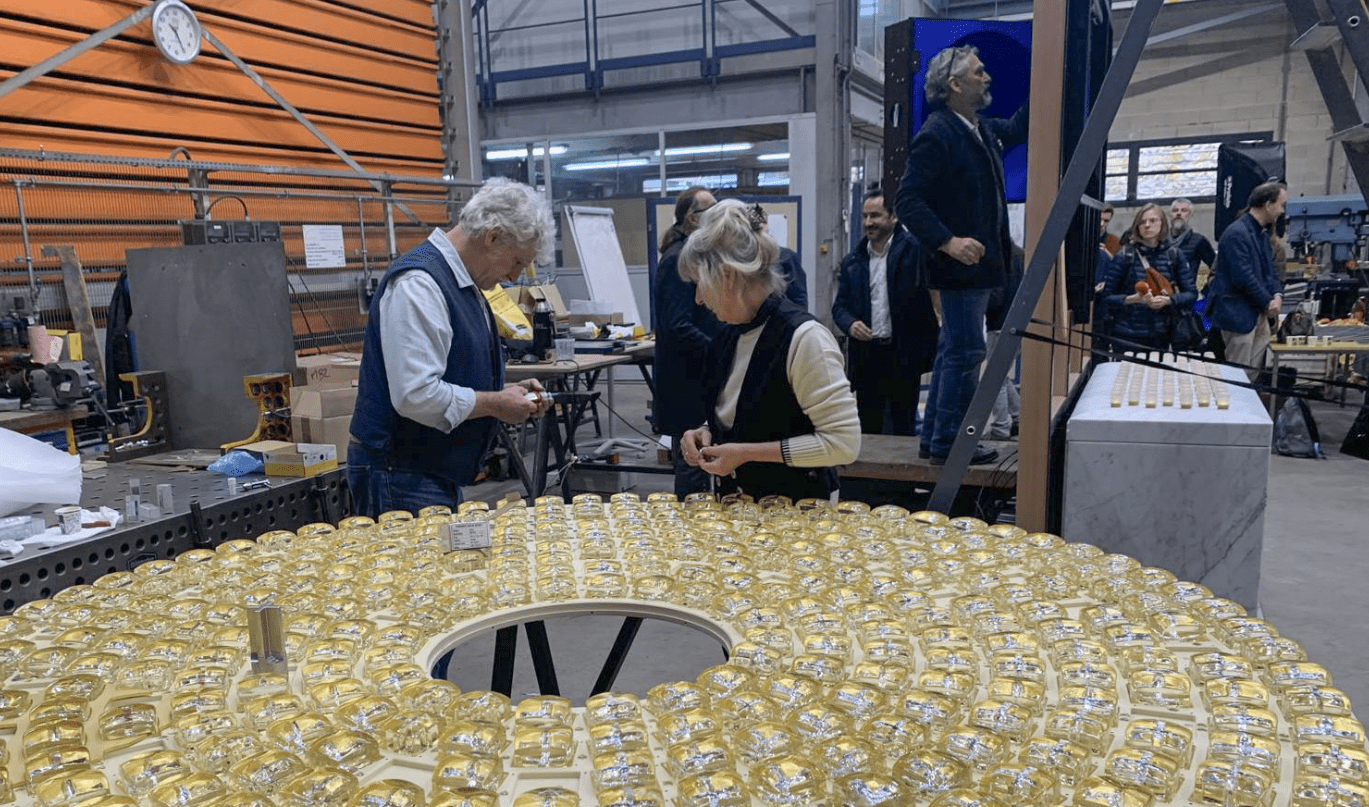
[431, 391]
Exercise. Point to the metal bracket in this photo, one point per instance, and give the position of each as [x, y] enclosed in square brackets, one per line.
[1085, 159]
[155, 435]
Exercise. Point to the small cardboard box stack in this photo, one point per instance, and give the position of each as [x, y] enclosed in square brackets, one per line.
[322, 413]
[294, 459]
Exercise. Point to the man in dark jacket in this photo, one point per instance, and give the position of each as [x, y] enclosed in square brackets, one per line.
[1194, 245]
[951, 198]
[1245, 291]
[881, 305]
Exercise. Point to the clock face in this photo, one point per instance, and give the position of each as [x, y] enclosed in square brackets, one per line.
[176, 31]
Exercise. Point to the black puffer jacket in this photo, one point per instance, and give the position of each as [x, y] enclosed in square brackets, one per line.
[1127, 268]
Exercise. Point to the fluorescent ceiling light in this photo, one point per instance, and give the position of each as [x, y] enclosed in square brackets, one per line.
[514, 154]
[685, 151]
[783, 155]
[626, 162]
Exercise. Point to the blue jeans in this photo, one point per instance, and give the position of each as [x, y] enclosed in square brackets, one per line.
[955, 372]
[377, 487]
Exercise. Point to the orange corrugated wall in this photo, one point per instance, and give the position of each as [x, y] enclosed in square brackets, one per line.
[364, 72]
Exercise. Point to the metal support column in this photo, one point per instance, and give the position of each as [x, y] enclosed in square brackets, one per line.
[455, 21]
[1039, 269]
[832, 79]
[28, 248]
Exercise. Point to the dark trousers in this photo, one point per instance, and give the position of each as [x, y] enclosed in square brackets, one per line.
[377, 487]
[886, 395]
[955, 373]
[688, 478]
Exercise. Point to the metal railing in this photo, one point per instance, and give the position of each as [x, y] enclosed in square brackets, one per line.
[106, 205]
[585, 30]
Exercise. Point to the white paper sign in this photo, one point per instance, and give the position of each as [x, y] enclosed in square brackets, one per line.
[323, 246]
[468, 535]
[778, 226]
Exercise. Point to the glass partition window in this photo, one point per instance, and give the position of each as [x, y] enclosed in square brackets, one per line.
[738, 159]
[1161, 170]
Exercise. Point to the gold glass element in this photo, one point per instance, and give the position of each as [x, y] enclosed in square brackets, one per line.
[295, 733]
[319, 788]
[924, 774]
[218, 752]
[609, 707]
[482, 706]
[1228, 783]
[1068, 761]
[348, 749]
[543, 746]
[461, 771]
[390, 793]
[543, 711]
[1099, 792]
[470, 737]
[1148, 771]
[721, 789]
[75, 787]
[127, 720]
[547, 797]
[194, 790]
[44, 765]
[266, 772]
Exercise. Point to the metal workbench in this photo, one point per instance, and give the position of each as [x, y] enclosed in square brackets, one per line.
[288, 504]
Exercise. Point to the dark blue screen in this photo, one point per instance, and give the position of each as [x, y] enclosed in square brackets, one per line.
[1005, 49]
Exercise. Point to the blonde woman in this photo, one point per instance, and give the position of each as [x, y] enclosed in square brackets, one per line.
[781, 415]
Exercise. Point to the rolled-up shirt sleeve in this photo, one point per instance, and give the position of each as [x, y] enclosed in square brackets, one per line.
[824, 394]
[415, 337]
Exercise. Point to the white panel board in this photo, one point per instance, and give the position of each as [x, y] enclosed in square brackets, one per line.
[601, 259]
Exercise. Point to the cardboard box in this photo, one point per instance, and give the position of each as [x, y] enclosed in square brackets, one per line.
[319, 403]
[301, 459]
[529, 296]
[328, 370]
[335, 431]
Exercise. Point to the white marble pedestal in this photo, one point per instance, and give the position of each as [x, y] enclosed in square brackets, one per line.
[1178, 488]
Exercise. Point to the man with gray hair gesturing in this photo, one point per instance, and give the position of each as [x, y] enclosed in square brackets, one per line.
[951, 198]
[431, 391]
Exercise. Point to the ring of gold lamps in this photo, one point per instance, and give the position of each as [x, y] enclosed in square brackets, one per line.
[878, 658]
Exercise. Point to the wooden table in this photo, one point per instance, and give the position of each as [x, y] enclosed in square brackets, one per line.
[27, 421]
[894, 457]
[1277, 350]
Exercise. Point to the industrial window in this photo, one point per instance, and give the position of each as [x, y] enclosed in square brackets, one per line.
[1142, 171]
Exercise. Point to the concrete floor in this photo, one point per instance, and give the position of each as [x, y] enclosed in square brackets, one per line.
[1313, 589]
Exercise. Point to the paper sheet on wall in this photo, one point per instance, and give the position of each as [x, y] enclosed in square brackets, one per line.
[324, 247]
[779, 228]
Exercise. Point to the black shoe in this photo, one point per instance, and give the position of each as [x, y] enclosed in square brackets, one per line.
[924, 453]
[982, 456]
[1013, 432]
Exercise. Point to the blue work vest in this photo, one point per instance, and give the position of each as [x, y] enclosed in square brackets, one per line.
[475, 360]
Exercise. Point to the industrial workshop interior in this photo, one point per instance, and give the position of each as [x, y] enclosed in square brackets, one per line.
[917, 403]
